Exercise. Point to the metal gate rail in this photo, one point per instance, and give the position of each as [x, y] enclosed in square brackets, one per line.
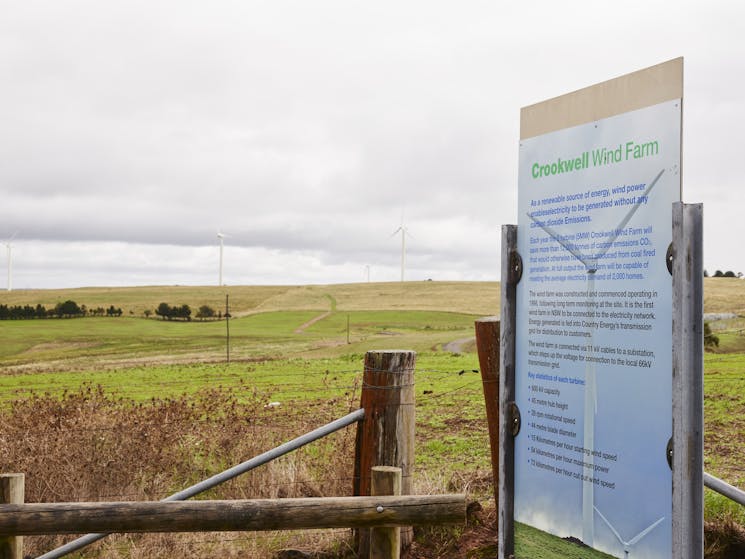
[222, 477]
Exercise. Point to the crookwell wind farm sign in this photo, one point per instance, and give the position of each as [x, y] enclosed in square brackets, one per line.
[599, 172]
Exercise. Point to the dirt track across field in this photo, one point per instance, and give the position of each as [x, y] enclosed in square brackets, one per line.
[300, 329]
[456, 346]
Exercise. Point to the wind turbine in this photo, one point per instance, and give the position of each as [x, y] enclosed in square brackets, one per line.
[9, 247]
[633, 541]
[404, 232]
[221, 236]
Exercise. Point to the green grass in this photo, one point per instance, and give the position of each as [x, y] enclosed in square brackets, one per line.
[718, 506]
[724, 416]
[535, 544]
[480, 298]
[100, 343]
[141, 359]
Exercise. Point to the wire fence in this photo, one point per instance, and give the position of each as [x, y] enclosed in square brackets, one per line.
[449, 410]
[63, 438]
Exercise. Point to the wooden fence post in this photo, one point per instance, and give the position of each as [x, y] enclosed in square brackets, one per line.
[386, 436]
[385, 543]
[487, 345]
[11, 493]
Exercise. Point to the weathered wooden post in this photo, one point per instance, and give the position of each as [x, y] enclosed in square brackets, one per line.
[386, 436]
[385, 543]
[11, 493]
[487, 345]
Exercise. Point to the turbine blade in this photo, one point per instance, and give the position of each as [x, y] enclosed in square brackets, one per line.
[396, 231]
[643, 533]
[629, 215]
[587, 262]
[612, 529]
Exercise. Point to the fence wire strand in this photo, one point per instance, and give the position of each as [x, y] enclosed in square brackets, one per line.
[341, 389]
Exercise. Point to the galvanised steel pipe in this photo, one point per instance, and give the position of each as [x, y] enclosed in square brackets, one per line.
[724, 488]
[227, 475]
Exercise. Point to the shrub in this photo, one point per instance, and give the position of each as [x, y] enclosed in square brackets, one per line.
[711, 340]
[92, 446]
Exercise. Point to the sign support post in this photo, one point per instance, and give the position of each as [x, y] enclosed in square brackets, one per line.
[601, 350]
[511, 273]
[688, 385]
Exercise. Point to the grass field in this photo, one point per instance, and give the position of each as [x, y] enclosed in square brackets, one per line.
[481, 298]
[300, 346]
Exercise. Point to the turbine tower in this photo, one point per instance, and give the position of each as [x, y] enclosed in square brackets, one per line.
[220, 236]
[9, 248]
[404, 232]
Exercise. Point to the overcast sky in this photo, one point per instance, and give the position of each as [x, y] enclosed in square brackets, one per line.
[131, 132]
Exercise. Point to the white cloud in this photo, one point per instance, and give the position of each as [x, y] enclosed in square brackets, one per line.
[303, 129]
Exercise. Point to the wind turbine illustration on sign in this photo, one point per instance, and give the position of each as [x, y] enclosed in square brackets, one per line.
[9, 248]
[627, 545]
[591, 398]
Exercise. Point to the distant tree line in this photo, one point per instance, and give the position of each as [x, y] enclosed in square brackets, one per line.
[68, 309]
[167, 312]
[727, 274]
[183, 312]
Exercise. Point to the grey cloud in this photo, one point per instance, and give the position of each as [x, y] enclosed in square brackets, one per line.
[305, 129]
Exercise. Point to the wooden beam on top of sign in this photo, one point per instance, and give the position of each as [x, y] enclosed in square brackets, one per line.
[650, 86]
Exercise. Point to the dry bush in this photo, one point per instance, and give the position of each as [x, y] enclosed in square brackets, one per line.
[724, 539]
[91, 446]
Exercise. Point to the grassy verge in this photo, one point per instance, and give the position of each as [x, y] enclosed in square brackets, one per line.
[480, 298]
[142, 438]
[535, 544]
[130, 408]
[724, 416]
[92, 445]
[97, 344]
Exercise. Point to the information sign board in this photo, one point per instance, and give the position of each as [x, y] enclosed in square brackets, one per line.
[594, 325]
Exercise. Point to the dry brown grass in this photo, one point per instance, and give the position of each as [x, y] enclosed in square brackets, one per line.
[482, 298]
[724, 539]
[90, 446]
[465, 297]
[243, 298]
[724, 295]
